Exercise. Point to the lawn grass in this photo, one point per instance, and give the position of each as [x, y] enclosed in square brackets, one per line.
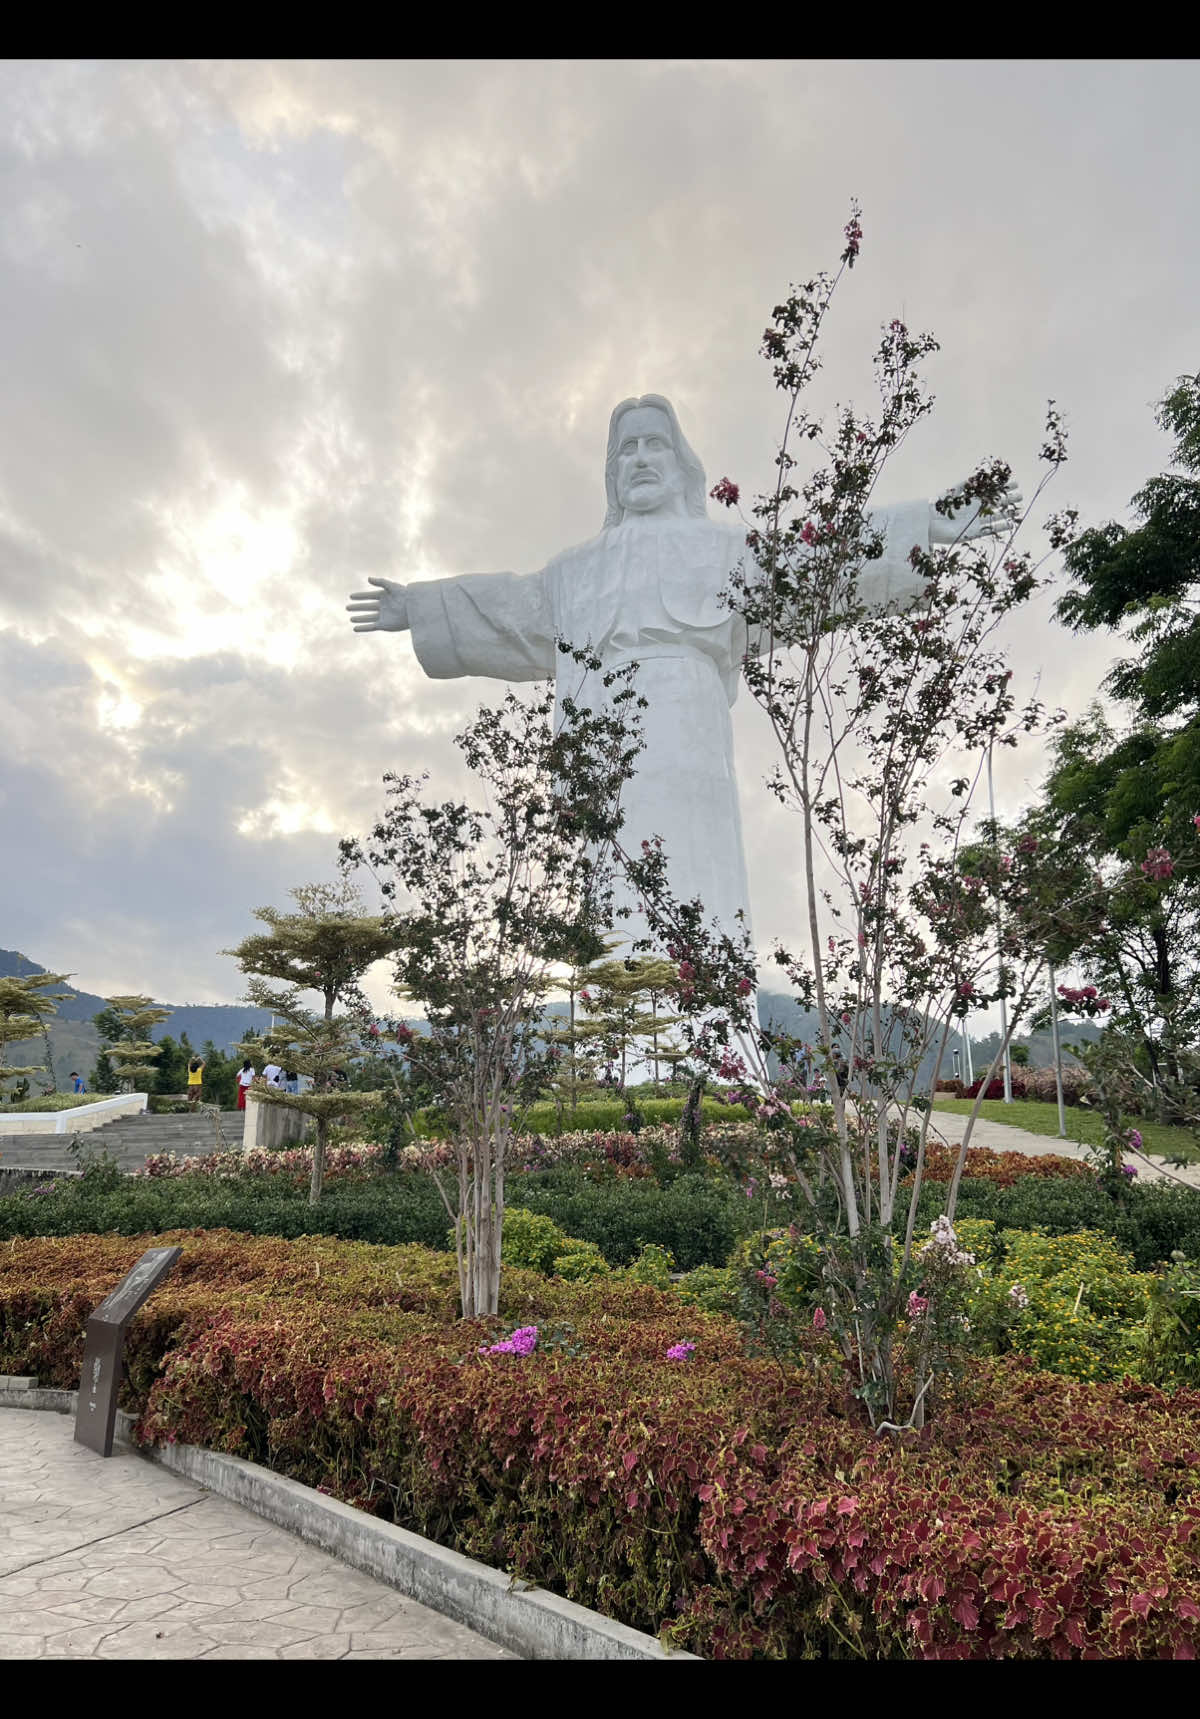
[1158, 1139]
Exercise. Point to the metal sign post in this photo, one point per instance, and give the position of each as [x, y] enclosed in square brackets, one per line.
[96, 1415]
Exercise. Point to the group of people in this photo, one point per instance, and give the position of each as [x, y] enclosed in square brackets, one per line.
[272, 1075]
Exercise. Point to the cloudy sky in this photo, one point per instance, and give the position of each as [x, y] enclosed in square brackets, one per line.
[268, 327]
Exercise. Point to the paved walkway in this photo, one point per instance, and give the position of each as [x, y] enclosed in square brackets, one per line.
[115, 1558]
[1001, 1138]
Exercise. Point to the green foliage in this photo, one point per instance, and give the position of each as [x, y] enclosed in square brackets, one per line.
[580, 1262]
[529, 1239]
[744, 1507]
[51, 1101]
[125, 1026]
[714, 1288]
[695, 1219]
[26, 1001]
[1169, 1341]
[654, 1264]
[610, 1113]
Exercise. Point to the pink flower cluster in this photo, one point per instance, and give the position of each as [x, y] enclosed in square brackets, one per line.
[680, 1351]
[725, 491]
[1088, 999]
[917, 1304]
[522, 1342]
[1158, 864]
[296, 1160]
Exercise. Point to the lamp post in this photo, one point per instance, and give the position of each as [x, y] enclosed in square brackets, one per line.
[1062, 1114]
[1000, 947]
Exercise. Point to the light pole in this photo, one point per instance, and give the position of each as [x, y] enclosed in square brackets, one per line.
[1062, 1114]
[1000, 943]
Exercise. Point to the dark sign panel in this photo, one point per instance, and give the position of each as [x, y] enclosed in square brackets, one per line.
[102, 1363]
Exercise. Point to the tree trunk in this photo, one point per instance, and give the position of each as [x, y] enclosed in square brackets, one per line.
[689, 1124]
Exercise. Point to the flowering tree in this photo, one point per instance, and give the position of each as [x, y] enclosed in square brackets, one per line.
[484, 905]
[883, 721]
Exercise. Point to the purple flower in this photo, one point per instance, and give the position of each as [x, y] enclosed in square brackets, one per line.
[680, 1351]
[1128, 1170]
[522, 1342]
[1134, 1141]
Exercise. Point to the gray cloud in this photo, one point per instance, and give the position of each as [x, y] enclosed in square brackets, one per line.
[268, 327]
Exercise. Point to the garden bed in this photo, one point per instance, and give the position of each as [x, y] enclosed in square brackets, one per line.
[740, 1506]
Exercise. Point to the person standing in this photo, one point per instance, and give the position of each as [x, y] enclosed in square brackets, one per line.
[195, 1080]
[273, 1075]
[245, 1081]
[78, 1084]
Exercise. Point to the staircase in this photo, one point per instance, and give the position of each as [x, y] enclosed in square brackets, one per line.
[127, 1140]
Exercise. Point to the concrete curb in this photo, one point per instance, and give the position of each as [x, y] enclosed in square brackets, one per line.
[526, 1620]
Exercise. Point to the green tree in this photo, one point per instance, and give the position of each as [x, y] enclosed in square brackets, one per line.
[125, 1026]
[1129, 798]
[220, 1076]
[326, 946]
[171, 1072]
[623, 1002]
[26, 1000]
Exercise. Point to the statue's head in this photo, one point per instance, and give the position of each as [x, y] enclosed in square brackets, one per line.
[650, 469]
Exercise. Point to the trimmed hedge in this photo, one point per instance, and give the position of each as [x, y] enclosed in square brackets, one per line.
[738, 1506]
[695, 1218]
[610, 1113]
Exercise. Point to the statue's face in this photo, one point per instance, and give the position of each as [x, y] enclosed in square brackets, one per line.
[649, 476]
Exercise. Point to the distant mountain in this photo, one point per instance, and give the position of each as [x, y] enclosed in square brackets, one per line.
[75, 1043]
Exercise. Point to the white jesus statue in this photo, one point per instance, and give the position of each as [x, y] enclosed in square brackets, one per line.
[646, 589]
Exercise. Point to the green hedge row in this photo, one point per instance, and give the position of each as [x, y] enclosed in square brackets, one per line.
[698, 1218]
[607, 1114]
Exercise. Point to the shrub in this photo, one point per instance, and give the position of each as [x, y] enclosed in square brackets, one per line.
[608, 1114]
[695, 1219]
[580, 1262]
[712, 1287]
[530, 1239]
[742, 1507]
[654, 1265]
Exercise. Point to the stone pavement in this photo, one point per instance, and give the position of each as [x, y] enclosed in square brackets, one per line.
[115, 1558]
[1001, 1138]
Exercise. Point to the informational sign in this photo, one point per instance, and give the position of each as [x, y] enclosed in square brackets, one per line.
[103, 1365]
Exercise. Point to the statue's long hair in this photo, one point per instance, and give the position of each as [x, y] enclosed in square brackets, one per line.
[694, 488]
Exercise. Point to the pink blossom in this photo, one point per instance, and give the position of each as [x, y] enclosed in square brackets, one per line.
[1158, 864]
[917, 1304]
[807, 533]
[819, 1320]
[743, 987]
[725, 491]
[765, 1278]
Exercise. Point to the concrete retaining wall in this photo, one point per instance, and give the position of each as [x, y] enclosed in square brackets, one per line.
[80, 1119]
[271, 1124]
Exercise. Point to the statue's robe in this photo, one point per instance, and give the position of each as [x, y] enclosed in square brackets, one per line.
[646, 590]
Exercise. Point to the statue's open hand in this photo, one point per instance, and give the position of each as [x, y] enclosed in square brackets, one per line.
[381, 611]
[969, 521]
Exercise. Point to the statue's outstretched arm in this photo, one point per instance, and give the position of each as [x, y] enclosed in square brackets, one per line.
[493, 624]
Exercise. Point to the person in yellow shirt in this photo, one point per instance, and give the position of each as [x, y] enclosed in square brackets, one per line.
[195, 1079]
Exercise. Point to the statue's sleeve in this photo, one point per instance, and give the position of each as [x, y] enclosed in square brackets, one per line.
[891, 582]
[493, 624]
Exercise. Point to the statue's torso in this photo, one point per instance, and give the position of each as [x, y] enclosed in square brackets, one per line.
[642, 588]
